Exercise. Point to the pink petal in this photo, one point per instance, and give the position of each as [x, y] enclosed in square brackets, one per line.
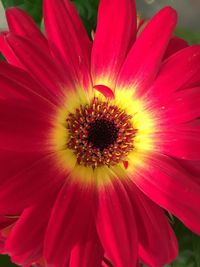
[144, 59]
[39, 64]
[89, 252]
[70, 219]
[175, 44]
[30, 185]
[25, 242]
[67, 38]
[115, 33]
[178, 71]
[116, 226]
[158, 244]
[164, 181]
[22, 24]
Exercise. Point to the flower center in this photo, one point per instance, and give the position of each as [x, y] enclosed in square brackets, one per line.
[100, 134]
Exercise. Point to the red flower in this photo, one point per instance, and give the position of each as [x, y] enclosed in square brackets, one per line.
[96, 138]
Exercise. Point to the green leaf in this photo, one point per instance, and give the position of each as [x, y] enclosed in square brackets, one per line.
[5, 261]
[33, 7]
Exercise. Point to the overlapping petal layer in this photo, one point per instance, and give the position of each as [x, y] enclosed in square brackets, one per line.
[25, 242]
[72, 204]
[29, 185]
[172, 187]
[183, 107]
[171, 79]
[40, 65]
[113, 39]
[116, 226]
[140, 69]
[26, 85]
[150, 216]
[175, 44]
[23, 25]
[89, 252]
[61, 25]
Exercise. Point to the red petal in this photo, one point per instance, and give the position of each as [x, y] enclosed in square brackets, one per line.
[39, 64]
[192, 166]
[71, 217]
[6, 220]
[67, 37]
[24, 127]
[8, 52]
[182, 107]
[178, 71]
[22, 24]
[30, 185]
[116, 31]
[29, 86]
[89, 252]
[164, 181]
[143, 61]
[116, 226]
[158, 244]
[81, 33]
[25, 242]
[182, 141]
[12, 162]
[106, 91]
[175, 44]
[6, 224]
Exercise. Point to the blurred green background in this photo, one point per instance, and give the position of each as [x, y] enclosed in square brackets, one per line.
[188, 28]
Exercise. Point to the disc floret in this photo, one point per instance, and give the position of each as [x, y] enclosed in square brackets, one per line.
[100, 134]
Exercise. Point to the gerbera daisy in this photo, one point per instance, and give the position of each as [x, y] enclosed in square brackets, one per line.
[97, 138]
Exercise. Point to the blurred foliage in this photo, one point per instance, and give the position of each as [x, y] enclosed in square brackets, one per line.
[88, 12]
[189, 243]
[5, 261]
[2, 57]
[190, 36]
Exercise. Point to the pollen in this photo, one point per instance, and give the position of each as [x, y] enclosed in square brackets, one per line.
[100, 134]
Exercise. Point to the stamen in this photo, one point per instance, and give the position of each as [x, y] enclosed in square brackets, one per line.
[100, 134]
